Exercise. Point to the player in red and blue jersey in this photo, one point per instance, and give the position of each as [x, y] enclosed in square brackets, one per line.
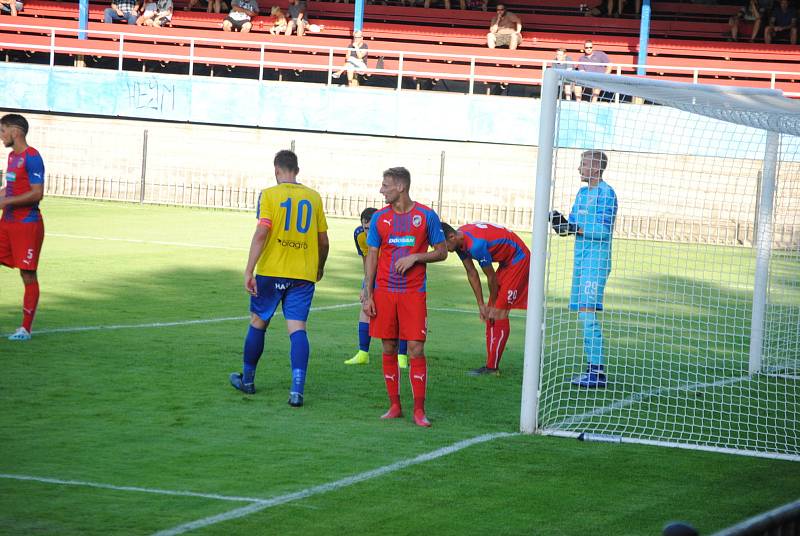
[21, 225]
[400, 235]
[489, 243]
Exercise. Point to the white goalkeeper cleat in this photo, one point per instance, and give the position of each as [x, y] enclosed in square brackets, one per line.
[21, 334]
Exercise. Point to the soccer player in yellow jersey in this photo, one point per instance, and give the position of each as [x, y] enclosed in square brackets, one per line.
[287, 254]
[364, 340]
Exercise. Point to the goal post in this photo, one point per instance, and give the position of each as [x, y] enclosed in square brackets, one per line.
[666, 310]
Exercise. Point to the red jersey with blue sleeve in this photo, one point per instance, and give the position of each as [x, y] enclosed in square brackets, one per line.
[489, 242]
[400, 235]
[24, 169]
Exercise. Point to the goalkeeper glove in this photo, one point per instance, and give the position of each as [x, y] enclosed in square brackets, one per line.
[561, 225]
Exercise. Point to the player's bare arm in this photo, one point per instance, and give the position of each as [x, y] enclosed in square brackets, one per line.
[324, 247]
[475, 283]
[494, 289]
[22, 200]
[256, 247]
[438, 254]
[371, 263]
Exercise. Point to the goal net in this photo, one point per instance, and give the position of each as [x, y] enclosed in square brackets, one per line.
[665, 301]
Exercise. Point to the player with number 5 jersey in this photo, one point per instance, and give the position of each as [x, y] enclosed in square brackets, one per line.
[21, 226]
[287, 257]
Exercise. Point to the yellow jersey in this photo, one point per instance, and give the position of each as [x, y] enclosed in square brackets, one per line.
[295, 217]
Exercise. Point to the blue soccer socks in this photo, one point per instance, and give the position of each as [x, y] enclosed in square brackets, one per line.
[298, 355]
[253, 348]
[363, 336]
[592, 337]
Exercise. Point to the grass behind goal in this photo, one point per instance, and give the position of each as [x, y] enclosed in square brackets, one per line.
[147, 404]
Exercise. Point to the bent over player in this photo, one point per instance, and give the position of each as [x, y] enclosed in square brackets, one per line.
[490, 243]
[591, 220]
[21, 226]
[394, 287]
[287, 253]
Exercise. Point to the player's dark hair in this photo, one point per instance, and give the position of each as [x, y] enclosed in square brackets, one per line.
[15, 120]
[367, 213]
[286, 160]
[447, 230]
[399, 174]
[597, 156]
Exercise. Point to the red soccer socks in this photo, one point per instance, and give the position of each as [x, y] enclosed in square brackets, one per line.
[496, 338]
[418, 370]
[391, 375]
[29, 303]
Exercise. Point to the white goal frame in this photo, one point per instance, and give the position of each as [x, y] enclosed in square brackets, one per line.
[724, 103]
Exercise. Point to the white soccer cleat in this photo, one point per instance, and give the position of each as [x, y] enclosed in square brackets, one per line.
[21, 334]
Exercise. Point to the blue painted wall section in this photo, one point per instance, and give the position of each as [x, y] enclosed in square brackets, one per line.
[412, 114]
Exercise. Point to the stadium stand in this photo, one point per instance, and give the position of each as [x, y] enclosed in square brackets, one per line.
[423, 43]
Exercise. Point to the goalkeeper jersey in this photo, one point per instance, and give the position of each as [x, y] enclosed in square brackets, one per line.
[594, 212]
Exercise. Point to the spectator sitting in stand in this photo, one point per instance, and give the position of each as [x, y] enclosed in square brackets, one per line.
[756, 11]
[121, 10]
[156, 14]
[356, 61]
[592, 61]
[297, 17]
[240, 17]
[783, 19]
[561, 63]
[279, 21]
[11, 6]
[504, 30]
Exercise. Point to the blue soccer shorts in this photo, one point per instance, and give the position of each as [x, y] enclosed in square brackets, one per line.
[587, 290]
[294, 294]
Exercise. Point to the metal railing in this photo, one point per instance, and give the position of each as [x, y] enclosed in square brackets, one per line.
[469, 68]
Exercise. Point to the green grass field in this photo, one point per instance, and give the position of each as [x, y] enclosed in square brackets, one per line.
[144, 406]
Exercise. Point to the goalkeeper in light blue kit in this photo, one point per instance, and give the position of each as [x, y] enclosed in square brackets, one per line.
[592, 222]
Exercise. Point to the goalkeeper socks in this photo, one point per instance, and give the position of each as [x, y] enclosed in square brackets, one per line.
[363, 336]
[592, 337]
[418, 372]
[253, 348]
[496, 338]
[298, 354]
[391, 374]
[402, 347]
[29, 303]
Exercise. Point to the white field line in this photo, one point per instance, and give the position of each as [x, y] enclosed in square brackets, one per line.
[78, 329]
[331, 486]
[258, 504]
[156, 491]
[640, 397]
[467, 311]
[147, 242]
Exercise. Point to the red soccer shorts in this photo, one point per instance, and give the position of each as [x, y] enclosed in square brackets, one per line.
[399, 316]
[513, 282]
[20, 244]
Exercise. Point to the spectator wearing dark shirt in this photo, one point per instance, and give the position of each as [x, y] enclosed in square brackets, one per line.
[755, 11]
[783, 19]
[504, 30]
[297, 17]
[592, 61]
[356, 61]
[122, 10]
